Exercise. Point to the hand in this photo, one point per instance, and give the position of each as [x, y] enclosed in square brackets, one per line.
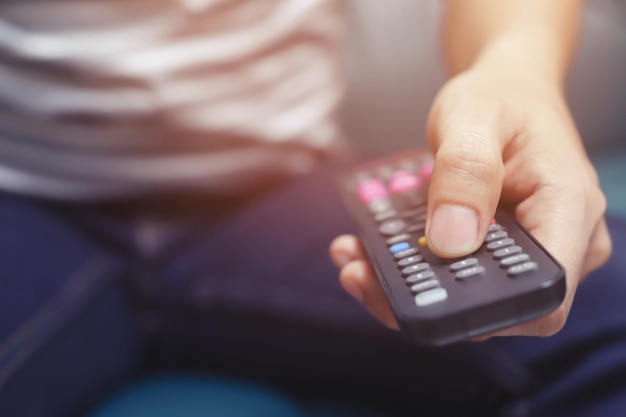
[501, 132]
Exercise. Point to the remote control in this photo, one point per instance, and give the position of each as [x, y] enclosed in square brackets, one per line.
[510, 279]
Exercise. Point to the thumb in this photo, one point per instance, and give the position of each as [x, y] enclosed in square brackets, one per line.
[466, 181]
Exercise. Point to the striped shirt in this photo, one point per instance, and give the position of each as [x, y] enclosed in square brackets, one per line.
[102, 98]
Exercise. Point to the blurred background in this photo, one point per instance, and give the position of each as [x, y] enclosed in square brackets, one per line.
[395, 68]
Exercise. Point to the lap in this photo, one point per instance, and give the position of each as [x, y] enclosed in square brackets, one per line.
[262, 300]
[65, 336]
[251, 292]
[268, 304]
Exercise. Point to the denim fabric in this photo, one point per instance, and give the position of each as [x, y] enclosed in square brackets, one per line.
[94, 296]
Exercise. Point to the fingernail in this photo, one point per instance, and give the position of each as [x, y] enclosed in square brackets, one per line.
[453, 229]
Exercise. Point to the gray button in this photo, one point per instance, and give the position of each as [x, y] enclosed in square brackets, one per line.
[503, 253]
[470, 272]
[415, 199]
[392, 227]
[426, 298]
[515, 259]
[465, 263]
[417, 215]
[415, 278]
[410, 165]
[385, 172]
[425, 285]
[385, 215]
[522, 268]
[398, 239]
[379, 206]
[414, 269]
[500, 244]
[403, 263]
[494, 228]
[415, 228]
[403, 254]
[500, 234]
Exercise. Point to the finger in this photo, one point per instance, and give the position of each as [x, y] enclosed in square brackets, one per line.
[346, 248]
[565, 234]
[557, 235]
[600, 248]
[467, 177]
[359, 280]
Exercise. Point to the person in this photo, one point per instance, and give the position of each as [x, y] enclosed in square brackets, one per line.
[168, 204]
[492, 128]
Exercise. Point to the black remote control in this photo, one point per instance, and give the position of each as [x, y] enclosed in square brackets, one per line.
[510, 279]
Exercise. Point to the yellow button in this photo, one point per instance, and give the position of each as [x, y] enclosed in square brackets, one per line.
[422, 241]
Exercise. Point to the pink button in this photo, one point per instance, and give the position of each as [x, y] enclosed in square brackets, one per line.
[371, 190]
[426, 171]
[403, 181]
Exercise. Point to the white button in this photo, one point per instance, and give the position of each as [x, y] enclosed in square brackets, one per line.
[433, 296]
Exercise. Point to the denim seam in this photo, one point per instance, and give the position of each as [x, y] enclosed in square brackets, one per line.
[37, 331]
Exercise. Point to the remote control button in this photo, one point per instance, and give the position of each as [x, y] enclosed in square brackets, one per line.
[370, 190]
[404, 181]
[398, 239]
[503, 253]
[424, 286]
[415, 278]
[385, 171]
[403, 263]
[500, 234]
[410, 165]
[500, 244]
[392, 227]
[405, 253]
[379, 206]
[465, 263]
[418, 214]
[433, 296]
[385, 215]
[414, 269]
[416, 228]
[521, 269]
[515, 259]
[414, 199]
[494, 228]
[399, 247]
[470, 272]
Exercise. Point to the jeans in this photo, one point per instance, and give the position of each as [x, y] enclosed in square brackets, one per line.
[93, 296]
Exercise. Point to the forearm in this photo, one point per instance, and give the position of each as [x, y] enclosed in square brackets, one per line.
[539, 35]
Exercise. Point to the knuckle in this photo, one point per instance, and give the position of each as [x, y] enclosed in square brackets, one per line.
[601, 245]
[472, 157]
[606, 249]
[601, 249]
[600, 201]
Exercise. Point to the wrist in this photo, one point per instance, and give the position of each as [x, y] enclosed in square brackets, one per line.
[527, 55]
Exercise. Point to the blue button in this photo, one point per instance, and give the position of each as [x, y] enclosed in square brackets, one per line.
[398, 247]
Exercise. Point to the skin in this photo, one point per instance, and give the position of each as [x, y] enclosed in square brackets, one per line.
[500, 129]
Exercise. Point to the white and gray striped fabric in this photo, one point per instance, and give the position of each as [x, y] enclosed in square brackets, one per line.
[100, 98]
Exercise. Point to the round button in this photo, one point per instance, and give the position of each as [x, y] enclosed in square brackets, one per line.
[403, 263]
[380, 206]
[392, 227]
